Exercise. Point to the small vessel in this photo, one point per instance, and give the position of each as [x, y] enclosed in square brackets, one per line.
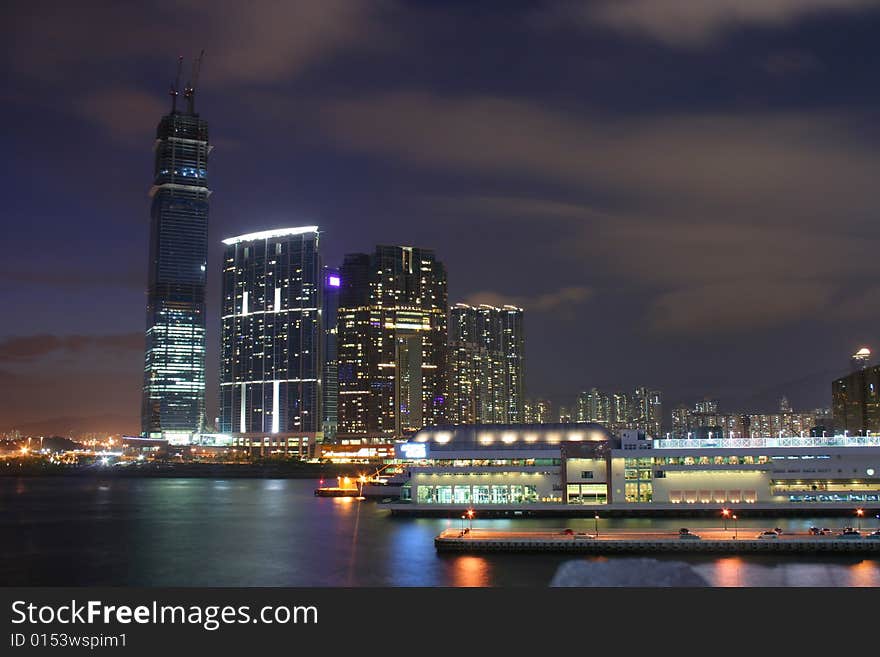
[373, 486]
[346, 487]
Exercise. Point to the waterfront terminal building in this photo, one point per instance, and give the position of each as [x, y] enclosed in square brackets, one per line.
[532, 466]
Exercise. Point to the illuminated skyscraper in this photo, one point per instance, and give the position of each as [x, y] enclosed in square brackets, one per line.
[486, 363]
[272, 338]
[332, 283]
[392, 342]
[855, 400]
[173, 403]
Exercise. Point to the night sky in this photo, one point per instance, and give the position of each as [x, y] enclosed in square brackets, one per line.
[682, 194]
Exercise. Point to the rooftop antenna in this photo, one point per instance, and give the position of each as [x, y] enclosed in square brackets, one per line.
[190, 91]
[174, 93]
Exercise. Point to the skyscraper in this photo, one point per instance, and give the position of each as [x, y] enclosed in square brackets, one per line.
[332, 283]
[272, 339]
[486, 363]
[855, 400]
[392, 342]
[173, 403]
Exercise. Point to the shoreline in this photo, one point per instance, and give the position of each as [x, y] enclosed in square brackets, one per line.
[194, 471]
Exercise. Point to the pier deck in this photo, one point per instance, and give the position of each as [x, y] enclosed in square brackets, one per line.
[616, 541]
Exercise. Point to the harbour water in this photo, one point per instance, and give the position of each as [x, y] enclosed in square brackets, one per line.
[83, 531]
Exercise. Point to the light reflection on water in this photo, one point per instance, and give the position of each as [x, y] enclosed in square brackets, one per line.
[254, 532]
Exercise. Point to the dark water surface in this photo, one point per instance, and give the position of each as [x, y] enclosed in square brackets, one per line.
[57, 531]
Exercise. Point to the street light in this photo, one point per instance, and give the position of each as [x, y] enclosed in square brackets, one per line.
[596, 518]
[860, 513]
[734, 527]
[725, 514]
[470, 515]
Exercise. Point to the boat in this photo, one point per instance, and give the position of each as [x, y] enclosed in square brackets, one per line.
[376, 486]
[346, 487]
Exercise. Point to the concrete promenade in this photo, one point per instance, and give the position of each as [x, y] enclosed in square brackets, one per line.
[728, 541]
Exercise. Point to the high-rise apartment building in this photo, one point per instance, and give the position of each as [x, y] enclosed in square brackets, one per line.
[486, 363]
[648, 410]
[855, 400]
[391, 342]
[273, 339]
[706, 406]
[594, 406]
[173, 401]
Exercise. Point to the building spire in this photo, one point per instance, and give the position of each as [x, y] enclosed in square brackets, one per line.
[190, 91]
[173, 92]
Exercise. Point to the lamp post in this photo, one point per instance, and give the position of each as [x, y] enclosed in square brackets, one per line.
[470, 515]
[725, 514]
[596, 519]
[734, 527]
[859, 514]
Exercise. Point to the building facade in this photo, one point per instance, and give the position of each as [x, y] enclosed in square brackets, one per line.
[272, 339]
[486, 363]
[518, 466]
[391, 342]
[173, 402]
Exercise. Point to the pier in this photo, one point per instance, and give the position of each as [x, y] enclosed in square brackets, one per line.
[622, 541]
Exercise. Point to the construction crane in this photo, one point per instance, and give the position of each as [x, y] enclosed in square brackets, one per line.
[190, 91]
[174, 93]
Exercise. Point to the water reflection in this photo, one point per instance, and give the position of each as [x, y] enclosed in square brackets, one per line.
[253, 532]
[471, 571]
[727, 571]
[864, 573]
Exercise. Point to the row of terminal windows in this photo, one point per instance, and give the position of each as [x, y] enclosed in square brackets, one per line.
[464, 463]
[836, 497]
[710, 460]
[495, 494]
[587, 493]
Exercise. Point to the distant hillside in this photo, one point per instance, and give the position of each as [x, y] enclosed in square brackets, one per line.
[73, 427]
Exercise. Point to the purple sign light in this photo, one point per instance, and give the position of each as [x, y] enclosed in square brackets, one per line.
[333, 281]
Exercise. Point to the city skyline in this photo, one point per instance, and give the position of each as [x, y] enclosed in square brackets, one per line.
[746, 286]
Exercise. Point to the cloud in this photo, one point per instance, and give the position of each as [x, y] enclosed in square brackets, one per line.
[723, 308]
[246, 42]
[811, 162]
[860, 306]
[127, 114]
[714, 275]
[563, 298]
[31, 348]
[792, 62]
[697, 23]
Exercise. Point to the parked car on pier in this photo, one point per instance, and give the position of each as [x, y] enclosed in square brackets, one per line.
[849, 532]
[686, 534]
[768, 535]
